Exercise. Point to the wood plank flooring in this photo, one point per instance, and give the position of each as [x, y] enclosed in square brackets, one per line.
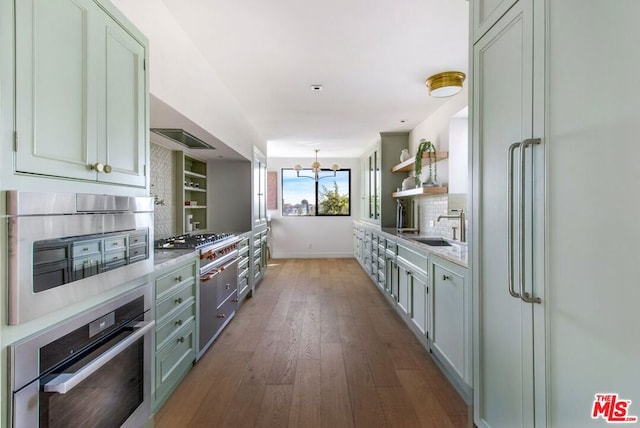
[317, 346]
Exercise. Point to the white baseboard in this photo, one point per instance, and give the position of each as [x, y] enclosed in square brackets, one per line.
[312, 255]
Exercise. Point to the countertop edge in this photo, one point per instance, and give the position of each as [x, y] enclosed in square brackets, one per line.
[461, 260]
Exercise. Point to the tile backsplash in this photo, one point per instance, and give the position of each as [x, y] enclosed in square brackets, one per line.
[163, 172]
[430, 207]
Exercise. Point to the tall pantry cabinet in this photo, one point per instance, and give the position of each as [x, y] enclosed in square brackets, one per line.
[555, 290]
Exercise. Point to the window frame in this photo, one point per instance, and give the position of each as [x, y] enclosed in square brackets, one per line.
[317, 188]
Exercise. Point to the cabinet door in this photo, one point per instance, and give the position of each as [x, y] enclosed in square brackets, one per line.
[259, 188]
[404, 289]
[55, 92]
[419, 299]
[447, 329]
[122, 122]
[503, 106]
[485, 14]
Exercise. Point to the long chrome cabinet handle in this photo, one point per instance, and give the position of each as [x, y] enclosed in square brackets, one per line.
[523, 294]
[67, 381]
[512, 291]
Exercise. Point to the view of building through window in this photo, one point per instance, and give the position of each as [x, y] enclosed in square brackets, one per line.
[303, 196]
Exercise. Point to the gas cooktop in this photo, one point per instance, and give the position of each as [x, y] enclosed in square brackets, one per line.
[192, 241]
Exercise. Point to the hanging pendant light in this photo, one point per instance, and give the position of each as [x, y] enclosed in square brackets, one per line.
[317, 169]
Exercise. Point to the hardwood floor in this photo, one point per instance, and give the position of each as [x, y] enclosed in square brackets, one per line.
[317, 346]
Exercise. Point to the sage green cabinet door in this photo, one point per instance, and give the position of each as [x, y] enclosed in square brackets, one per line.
[55, 99]
[80, 94]
[485, 13]
[123, 132]
[448, 328]
[503, 110]
[404, 290]
[419, 302]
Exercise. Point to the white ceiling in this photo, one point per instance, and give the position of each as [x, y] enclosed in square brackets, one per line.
[371, 56]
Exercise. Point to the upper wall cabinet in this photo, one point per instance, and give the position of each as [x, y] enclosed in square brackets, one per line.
[259, 188]
[379, 181]
[486, 13]
[81, 93]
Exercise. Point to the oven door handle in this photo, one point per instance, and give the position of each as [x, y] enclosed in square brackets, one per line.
[65, 382]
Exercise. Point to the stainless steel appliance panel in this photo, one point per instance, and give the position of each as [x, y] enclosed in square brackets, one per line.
[103, 347]
[34, 216]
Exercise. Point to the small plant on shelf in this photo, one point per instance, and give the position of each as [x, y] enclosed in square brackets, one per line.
[427, 147]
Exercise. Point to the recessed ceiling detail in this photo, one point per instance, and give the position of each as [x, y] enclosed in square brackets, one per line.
[316, 88]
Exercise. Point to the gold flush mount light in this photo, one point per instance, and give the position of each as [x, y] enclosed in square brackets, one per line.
[445, 84]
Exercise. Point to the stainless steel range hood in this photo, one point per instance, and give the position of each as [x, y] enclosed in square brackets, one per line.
[181, 136]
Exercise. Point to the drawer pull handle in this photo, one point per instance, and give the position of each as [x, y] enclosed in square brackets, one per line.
[178, 278]
[208, 277]
[115, 258]
[235, 300]
[445, 277]
[181, 339]
[178, 300]
[115, 244]
[228, 286]
[179, 322]
[221, 316]
[85, 249]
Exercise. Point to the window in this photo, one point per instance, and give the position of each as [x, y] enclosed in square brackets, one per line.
[303, 196]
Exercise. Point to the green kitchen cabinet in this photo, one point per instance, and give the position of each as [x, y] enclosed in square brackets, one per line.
[80, 93]
[379, 206]
[450, 322]
[244, 268]
[176, 308]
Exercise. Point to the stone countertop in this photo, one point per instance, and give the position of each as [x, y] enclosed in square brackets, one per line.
[456, 253]
[166, 258]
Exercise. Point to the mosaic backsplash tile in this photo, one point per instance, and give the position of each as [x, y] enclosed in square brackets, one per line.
[163, 172]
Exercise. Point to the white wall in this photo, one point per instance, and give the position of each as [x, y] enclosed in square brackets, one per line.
[435, 128]
[458, 155]
[309, 237]
[181, 77]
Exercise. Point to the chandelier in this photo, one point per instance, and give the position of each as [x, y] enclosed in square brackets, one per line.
[316, 168]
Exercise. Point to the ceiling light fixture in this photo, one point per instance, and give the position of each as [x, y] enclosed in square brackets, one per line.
[317, 169]
[316, 88]
[445, 84]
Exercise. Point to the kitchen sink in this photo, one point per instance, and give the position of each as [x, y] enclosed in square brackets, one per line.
[434, 242]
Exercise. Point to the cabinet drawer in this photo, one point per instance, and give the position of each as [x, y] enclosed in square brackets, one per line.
[138, 239]
[115, 242]
[174, 360]
[392, 247]
[419, 260]
[137, 253]
[84, 248]
[173, 302]
[115, 256]
[171, 324]
[243, 263]
[243, 284]
[176, 278]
